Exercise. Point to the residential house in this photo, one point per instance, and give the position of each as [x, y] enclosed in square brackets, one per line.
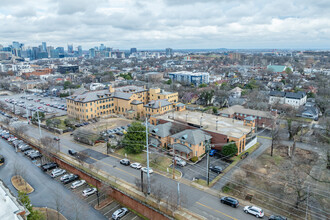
[295, 99]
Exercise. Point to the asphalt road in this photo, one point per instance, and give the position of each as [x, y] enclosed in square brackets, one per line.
[47, 191]
[193, 199]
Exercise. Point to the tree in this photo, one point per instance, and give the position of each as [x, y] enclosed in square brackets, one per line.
[6, 121]
[135, 138]
[169, 82]
[41, 116]
[34, 214]
[20, 130]
[288, 70]
[81, 157]
[229, 149]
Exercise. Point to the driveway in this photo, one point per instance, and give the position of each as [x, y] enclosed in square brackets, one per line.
[48, 192]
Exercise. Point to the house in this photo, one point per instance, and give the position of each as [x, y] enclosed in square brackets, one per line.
[236, 92]
[295, 99]
[159, 134]
[310, 112]
[190, 143]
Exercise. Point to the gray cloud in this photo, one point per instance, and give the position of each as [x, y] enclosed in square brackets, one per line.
[167, 23]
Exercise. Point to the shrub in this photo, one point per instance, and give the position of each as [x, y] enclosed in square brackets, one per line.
[194, 159]
[229, 149]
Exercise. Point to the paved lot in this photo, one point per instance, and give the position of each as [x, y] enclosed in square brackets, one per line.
[50, 192]
[33, 104]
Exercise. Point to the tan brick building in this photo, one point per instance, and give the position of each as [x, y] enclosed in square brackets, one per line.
[129, 101]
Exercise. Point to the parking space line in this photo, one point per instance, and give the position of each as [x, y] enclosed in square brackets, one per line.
[126, 216]
[111, 209]
[134, 217]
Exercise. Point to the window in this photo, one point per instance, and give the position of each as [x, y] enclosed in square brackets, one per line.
[189, 145]
[182, 142]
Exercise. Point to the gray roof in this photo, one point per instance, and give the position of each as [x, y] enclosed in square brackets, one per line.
[158, 103]
[122, 95]
[130, 89]
[182, 148]
[90, 96]
[295, 95]
[180, 105]
[192, 136]
[153, 141]
[277, 93]
[161, 130]
[136, 102]
[241, 110]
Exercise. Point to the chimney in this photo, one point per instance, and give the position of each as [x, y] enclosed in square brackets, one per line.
[111, 90]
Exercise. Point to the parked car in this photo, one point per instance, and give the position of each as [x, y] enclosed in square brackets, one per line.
[277, 217]
[180, 161]
[65, 176]
[56, 138]
[245, 155]
[25, 148]
[77, 183]
[229, 201]
[89, 191]
[145, 170]
[70, 179]
[28, 152]
[216, 169]
[213, 152]
[253, 210]
[34, 156]
[119, 213]
[119, 133]
[57, 172]
[125, 162]
[72, 152]
[48, 166]
[136, 165]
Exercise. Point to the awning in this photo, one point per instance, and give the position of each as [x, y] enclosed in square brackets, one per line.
[154, 142]
[181, 148]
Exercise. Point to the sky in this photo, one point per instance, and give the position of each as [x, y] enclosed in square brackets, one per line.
[157, 24]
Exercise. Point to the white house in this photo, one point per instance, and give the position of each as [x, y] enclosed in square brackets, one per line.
[295, 99]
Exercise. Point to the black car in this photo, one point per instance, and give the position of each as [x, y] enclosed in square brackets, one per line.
[70, 179]
[277, 217]
[229, 201]
[125, 162]
[35, 156]
[48, 166]
[72, 152]
[120, 133]
[216, 169]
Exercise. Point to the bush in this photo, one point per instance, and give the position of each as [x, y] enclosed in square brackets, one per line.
[194, 159]
[229, 149]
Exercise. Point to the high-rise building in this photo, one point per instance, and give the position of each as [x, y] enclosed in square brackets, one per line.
[92, 53]
[80, 52]
[133, 50]
[70, 48]
[60, 50]
[44, 46]
[102, 47]
[16, 44]
[169, 51]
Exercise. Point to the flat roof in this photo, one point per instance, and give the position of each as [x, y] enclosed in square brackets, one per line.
[226, 126]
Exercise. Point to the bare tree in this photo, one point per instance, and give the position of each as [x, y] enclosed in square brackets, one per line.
[159, 192]
[78, 208]
[58, 202]
[20, 130]
[6, 121]
[81, 157]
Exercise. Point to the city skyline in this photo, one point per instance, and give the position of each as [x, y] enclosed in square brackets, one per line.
[166, 23]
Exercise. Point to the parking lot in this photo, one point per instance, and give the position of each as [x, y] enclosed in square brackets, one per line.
[91, 199]
[35, 102]
[198, 171]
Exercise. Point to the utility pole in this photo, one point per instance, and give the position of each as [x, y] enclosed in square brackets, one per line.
[27, 111]
[178, 202]
[174, 162]
[141, 181]
[148, 174]
[208, 163]
[39, 123]
[307, 204]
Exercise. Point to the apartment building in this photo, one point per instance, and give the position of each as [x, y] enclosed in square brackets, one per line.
[186, 77]
[129, 101]
[295, 99]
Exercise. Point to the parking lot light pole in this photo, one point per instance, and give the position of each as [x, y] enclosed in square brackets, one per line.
[98, 198]
[148, 174]
[39, 124]
[208, 163]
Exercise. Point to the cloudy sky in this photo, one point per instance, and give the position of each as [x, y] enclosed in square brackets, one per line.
[156, 24]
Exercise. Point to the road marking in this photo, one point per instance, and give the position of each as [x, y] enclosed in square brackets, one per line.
[134, 217]
[111, 209]
[216, 211]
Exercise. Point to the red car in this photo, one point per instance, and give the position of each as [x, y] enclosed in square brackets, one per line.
[47, 104]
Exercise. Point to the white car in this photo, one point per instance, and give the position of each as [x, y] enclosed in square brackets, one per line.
[119, 213]
[89, 191]
[57, 172]
[253, 210]
[144, 169]
[65, 176]
[77, 184]
[136, 165]
[180, 161]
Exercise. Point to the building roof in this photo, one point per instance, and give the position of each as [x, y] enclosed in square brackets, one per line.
[122, 95]
[130, 89]
[88, 96]
[158, 103]
[136, 102]
[241, 110]
[295, 95]
[209, 122]
[192, 136]
[236, 89]
[161, 130]
[276, 68]
[182, 148]
[277, 93]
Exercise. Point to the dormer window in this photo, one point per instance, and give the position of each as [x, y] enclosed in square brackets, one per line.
[184, 137]
[155, 130]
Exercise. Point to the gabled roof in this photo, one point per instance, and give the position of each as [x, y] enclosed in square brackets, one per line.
[161, 130]
[136, 102]
[277, 93]
[295, 95]
[122, 95]
[182, 148]
[90, 96]
[158, 103]
[192, 136]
